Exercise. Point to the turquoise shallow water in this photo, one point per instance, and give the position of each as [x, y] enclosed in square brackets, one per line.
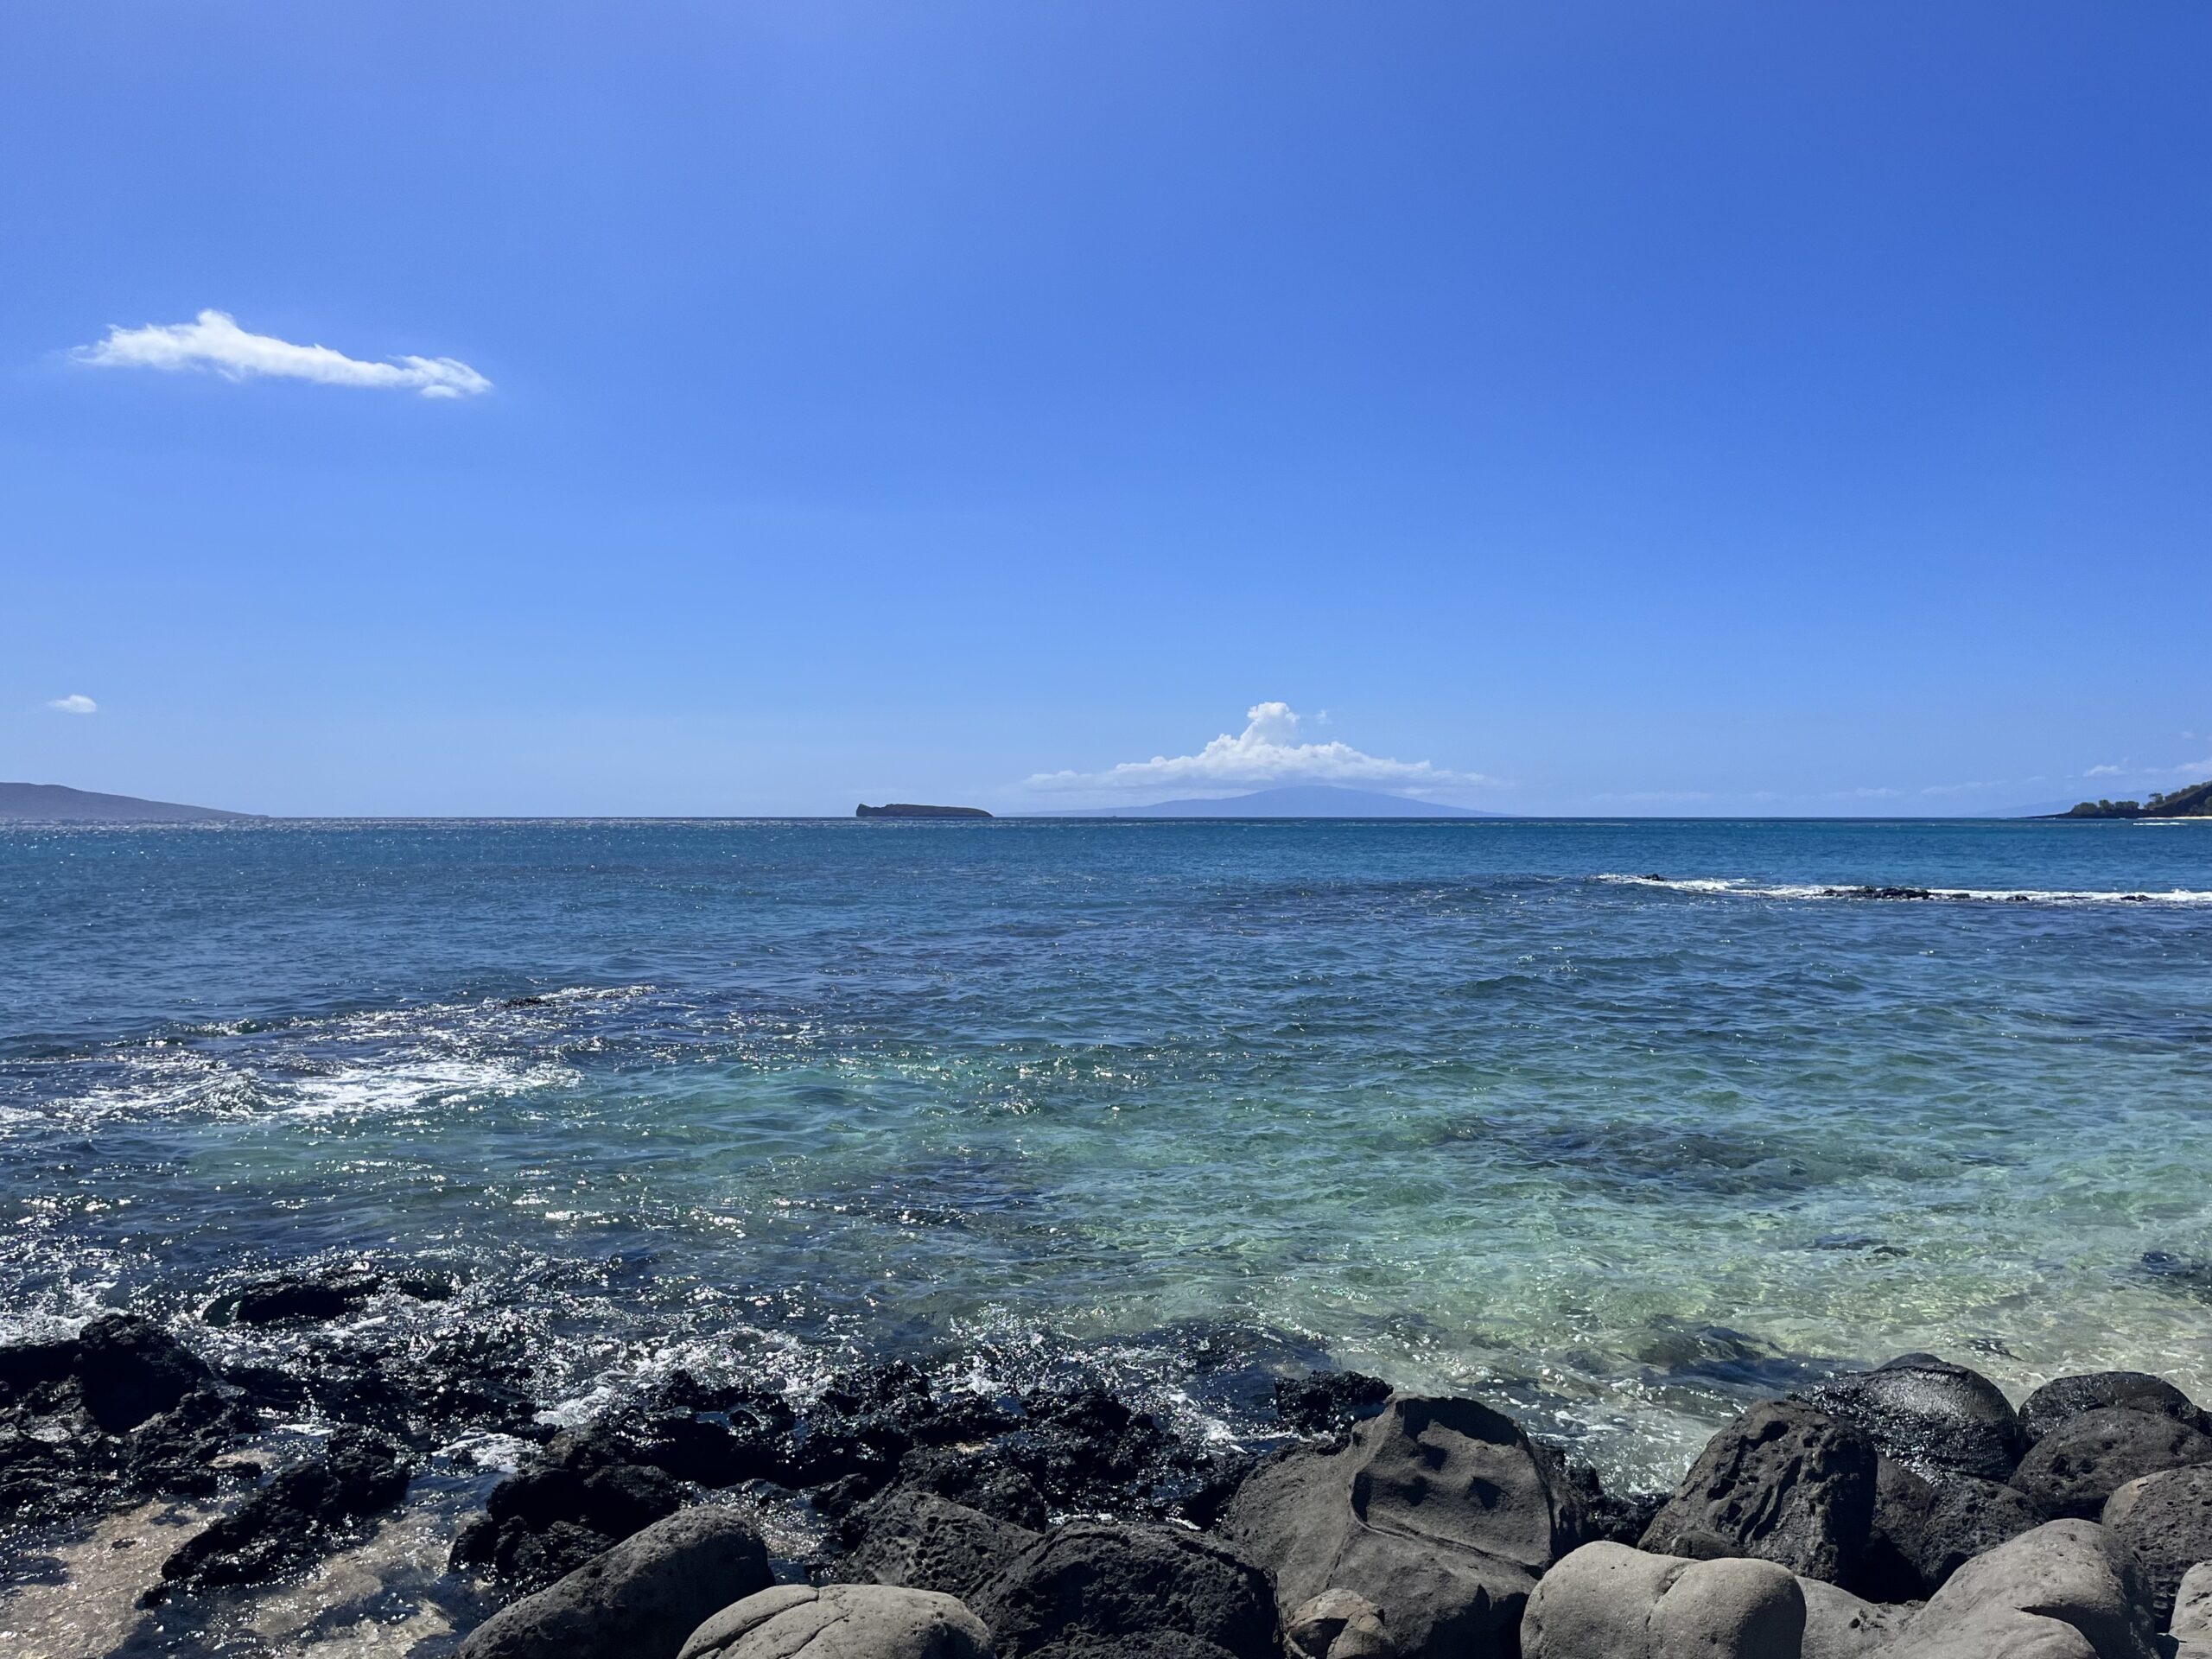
[1452, 1101]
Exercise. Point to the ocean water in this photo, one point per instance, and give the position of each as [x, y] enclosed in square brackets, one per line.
[1473, 1105]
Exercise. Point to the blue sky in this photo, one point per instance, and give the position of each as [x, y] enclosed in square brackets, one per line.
[1591, 406]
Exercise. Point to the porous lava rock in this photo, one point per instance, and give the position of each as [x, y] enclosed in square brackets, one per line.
[1103, 1579]
[1784, 1483]
[2072, 1470]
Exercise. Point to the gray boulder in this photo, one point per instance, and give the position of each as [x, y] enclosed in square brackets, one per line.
[1936, 1418]
[2061, 1591]
[639, 1600]
[1784, 1483]
[2069, 1396]
[919, 1541]
[2085, 1459]
[1092, 1581]
[1339, 1624]
[2165, 1523]
[2192, 1622]
[1839, 1625]
[1607, 1601]
[1439, 1512]
[842, 1621]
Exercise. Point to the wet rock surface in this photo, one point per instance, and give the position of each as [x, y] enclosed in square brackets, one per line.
[582, 1496]
[315, 1297]
[1328, 1403]
[422, 1391]
[2069, 1396]
[1936, 1419]
[299, 1516]
[120, 1411]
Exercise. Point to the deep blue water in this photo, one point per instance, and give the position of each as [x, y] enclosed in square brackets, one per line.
[1437, 1099]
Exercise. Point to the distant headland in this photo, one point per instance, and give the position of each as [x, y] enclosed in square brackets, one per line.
[2193, 802]
[57, 803]
[909, 809]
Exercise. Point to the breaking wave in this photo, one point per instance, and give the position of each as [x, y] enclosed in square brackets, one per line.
[1735, 887]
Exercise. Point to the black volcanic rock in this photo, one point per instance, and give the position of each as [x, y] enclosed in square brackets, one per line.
[988, 1483]
[129, 1369]
[1092, 1579]
[2069, 1396]
[1924, 1532]
[299, 1516]
[1785, 1483]
[119, 1411]
[421, 1392]
[1936, 1418]
[2072, 1470]
[919, 1541]
[295, 1298]
[581, 1496]
[1329, 1401]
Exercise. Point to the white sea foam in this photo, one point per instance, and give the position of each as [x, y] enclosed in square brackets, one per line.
[383, 1087]
[1738, 887]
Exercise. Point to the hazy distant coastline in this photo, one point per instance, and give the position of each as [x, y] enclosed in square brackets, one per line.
[58, 804]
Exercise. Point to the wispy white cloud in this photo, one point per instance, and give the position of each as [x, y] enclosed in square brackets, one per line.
[213, 341]
[2186, 769]
[75, 703]
[1981, 785]
[1268, 751]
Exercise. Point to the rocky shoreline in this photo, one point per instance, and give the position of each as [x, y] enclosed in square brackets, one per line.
[1911, 1511]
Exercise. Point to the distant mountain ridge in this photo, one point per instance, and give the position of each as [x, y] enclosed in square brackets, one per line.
[58, 804]
[1290, 801]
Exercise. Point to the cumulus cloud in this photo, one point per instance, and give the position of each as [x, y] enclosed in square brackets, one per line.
[1268, 751]
[75, 703]
[214, 341]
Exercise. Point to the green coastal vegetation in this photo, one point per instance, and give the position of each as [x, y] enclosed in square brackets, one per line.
[2193, 802]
